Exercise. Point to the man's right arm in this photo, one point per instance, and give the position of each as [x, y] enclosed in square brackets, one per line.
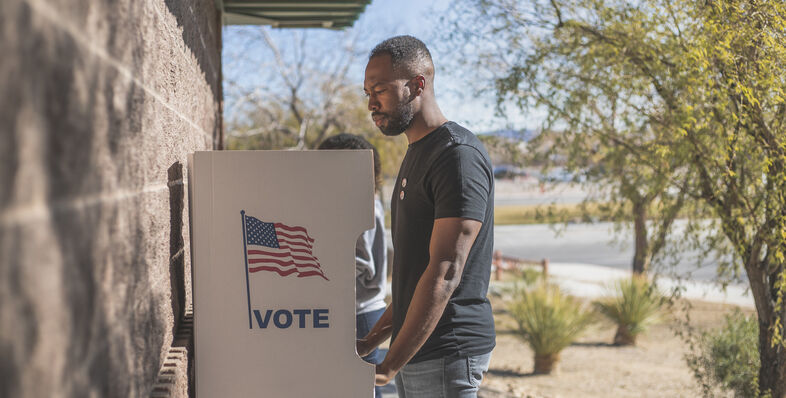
[378, 334]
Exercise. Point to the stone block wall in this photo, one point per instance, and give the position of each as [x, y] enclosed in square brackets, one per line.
[102, 100]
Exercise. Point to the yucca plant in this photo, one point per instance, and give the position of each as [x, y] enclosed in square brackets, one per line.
[549, 321]
[635, 306]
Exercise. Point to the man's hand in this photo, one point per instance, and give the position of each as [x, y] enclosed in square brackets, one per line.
[378, 334]
[384, 375]
[363, 347]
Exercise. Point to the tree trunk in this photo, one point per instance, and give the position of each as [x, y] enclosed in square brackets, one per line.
[641, 258]
[772, 374]
[624, 337]
[546, 363]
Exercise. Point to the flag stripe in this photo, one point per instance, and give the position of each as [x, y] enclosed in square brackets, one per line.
[299, 244]
[274, 269]
[291, 234]
[302, 241]
[289, 228]
[277, 254]
[282, 263]
[289, 270]
[289, 261]
[296, 249]
[312, 273]
[282, 249]
[293, 237]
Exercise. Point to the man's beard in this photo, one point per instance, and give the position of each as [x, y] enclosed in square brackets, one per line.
[399, 121]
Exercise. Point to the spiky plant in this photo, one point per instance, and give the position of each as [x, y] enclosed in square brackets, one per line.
[549, 321]
[635, 306]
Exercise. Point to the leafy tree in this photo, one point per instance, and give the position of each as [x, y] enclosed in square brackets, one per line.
[733, 113]
[599, 122]
[691, 95]
[291, 89]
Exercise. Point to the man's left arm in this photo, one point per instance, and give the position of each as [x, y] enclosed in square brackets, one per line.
[451, 241]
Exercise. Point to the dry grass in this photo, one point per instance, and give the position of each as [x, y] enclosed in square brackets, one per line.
[546, 214]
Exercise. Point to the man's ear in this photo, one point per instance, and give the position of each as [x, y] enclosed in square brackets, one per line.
[416, 86]
[420, 84]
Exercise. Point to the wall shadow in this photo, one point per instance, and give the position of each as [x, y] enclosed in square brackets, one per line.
[177, 279]
[194, 18]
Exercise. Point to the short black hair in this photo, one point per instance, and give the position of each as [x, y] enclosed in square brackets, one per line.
[351, 141]
[406, 52]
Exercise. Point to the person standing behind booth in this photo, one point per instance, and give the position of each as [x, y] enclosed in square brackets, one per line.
[370, 253]
[442, 209]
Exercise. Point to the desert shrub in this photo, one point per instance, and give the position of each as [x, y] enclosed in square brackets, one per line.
[525, 278]
[530, 276]
[728, 357]
[634, 306]
[548, 321]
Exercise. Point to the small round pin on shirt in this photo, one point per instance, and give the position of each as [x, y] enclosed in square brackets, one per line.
[401, 195]
[403, 182]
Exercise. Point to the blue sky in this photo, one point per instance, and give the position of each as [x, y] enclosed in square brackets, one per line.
[386, 18]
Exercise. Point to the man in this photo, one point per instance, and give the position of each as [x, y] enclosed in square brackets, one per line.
[442, 224]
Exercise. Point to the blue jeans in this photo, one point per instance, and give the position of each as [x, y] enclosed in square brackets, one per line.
[364, 323]
[451, 377]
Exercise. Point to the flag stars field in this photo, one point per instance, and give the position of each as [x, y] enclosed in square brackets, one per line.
[280, 248]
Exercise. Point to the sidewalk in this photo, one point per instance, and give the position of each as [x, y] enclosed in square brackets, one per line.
[592, 281]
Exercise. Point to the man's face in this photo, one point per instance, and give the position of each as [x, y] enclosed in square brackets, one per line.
[388, 97]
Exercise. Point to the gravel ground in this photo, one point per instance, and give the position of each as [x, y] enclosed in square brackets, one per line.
[592, 367]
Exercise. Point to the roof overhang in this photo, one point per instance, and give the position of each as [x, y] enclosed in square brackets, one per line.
[335, 14]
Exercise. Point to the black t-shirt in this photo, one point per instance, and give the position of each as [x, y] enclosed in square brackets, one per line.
[447, 173]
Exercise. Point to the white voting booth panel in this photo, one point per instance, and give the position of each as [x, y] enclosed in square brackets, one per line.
[274, 236]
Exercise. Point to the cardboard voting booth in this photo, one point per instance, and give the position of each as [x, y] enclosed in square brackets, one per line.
[273, 240]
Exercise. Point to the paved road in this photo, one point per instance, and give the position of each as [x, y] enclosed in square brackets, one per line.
[587, 244]
[584, 243]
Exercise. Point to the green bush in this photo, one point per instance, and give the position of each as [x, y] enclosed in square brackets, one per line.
[530, 276]
[549, 321]
[728, 357]
[634, 307]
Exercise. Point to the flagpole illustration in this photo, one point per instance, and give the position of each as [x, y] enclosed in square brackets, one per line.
[245, 255]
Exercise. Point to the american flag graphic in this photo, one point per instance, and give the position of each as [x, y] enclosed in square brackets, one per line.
[280, 248]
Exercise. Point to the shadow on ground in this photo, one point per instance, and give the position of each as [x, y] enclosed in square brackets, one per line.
[593, 344]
